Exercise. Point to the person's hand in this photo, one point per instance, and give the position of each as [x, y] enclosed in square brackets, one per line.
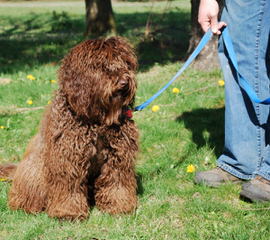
[208, 16]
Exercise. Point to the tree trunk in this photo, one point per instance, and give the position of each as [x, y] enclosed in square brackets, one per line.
[99, 17]
[208, 58]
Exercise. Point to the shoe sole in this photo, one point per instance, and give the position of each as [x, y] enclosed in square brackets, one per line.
[250, 196]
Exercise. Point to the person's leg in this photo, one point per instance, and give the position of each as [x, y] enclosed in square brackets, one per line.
[246, 151]
[245, 122]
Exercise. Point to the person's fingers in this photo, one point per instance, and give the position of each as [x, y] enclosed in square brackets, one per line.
[214, 24]
[208, 15]
[204, 22]
[205, 26]
[220, 26]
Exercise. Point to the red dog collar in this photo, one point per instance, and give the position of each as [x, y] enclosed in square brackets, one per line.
[128, 113]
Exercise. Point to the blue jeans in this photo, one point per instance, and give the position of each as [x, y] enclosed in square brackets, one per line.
[247, 125]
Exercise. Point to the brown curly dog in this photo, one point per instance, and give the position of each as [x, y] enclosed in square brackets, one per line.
[86, 146]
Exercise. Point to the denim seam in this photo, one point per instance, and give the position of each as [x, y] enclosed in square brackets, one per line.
[234, 172]
[257, 84]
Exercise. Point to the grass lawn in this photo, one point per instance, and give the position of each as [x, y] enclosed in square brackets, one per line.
[188, 128]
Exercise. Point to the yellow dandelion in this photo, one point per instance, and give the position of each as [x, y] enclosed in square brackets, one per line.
[176, 90]
[3, 179]
[53, 81]
[221, 83]
[30, 77]
[191, 168]
[29, 101]
[155, 108]
[49, 102]
[2, 127]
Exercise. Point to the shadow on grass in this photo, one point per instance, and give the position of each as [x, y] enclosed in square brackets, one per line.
[167, 41]
[140, 189]
[36, 39]
[210, 121]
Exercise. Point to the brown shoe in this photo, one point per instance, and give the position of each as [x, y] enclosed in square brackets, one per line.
[215, 177]
[256, 190]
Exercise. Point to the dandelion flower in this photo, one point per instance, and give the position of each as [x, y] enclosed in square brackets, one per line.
[221, 83]
[53, 81]
[191, 168]
[49, 102]
[29, 101]
[155, 108]
[2, 127]
[30, 77]
[176, 90]
[3, 179]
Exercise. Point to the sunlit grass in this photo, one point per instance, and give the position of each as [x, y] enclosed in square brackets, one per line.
[187, 130]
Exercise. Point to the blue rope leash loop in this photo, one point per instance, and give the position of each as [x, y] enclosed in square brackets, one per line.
[207, 36]
[229, 46]
[241, 80]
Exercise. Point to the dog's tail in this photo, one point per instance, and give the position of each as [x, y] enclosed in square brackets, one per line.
[7, 171]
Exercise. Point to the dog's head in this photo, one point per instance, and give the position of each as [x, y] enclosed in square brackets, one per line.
[98, 79]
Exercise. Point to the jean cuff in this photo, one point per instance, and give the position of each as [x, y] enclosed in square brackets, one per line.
[264, 175]
[234, 172]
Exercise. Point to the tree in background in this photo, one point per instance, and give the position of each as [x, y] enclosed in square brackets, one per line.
[208, 58]
[99, 17]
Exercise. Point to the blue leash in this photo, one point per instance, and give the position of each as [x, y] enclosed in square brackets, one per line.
[229, 46]
[207, 36]
[241, 80]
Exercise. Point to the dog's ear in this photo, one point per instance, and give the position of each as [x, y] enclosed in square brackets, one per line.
[81, 90]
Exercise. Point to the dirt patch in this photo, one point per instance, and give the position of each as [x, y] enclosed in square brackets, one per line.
[4, 81]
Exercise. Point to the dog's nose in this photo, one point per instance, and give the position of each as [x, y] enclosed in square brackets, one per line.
[123, 82]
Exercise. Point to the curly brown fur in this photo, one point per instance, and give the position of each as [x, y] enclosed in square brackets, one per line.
[85, 144]
[7, 171]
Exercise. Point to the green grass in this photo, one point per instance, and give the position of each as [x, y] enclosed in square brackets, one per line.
[188, 128]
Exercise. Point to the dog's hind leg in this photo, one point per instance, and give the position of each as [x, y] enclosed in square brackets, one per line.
[115, 188]
[28, 191]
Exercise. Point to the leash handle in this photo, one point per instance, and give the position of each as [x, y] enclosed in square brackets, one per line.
[241, 80]
[205, 39]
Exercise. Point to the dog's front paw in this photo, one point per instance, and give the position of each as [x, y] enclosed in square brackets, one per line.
[116, 201]
[70, 209]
